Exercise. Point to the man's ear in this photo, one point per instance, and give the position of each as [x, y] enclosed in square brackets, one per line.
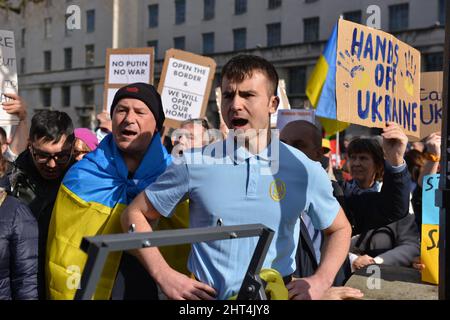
[274, 102]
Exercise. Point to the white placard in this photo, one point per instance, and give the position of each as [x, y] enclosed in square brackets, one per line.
[130, 68]
[286, 116]
[8, 74]
[111, 94]
[184, 88]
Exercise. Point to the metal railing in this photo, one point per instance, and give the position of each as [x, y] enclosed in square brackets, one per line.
[99, 247]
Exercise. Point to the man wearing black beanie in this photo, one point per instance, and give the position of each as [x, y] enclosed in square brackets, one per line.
[106, 181]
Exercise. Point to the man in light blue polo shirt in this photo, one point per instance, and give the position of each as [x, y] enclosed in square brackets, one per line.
[249, 178]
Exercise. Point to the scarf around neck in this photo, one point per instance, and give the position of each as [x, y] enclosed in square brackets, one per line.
[102, 176]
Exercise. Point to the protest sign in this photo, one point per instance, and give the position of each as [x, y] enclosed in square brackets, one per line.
[429, 248]
[377, 79]
[430, 103]
[8, 75]
[185, 85]
[285, 116]
[125, 66]
[284, 102]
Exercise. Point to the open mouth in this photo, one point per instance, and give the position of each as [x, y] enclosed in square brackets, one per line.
[128, 133]
[239, 122]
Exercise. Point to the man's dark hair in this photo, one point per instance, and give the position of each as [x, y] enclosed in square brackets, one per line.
[373, 148]
[243, 66]
[51, 126]
[3, 136]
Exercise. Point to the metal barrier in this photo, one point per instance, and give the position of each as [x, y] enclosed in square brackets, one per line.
[99, 247]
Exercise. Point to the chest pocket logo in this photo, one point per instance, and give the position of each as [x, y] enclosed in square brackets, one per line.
[277, 190]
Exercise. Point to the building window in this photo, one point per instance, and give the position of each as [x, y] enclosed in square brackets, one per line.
[90, 21]
[65, 96]
[239, 39]
[442, 9]
[154, 44]
[22, 38]
[273, 4]
[22, 66]
[153, 11]
[354, 16]
[179, 43]
[180, 11]
[90, 55]
[47, 28]
[311, 29]
[399, 17]
[273, 34]
[88, 94]
[46, 97]
[68, 58]
[434, 61]
[208, 9]
[297, 80]
[47, 60]
[208, 43]
[240, 6]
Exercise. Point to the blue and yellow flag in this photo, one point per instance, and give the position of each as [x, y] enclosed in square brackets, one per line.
[321, 87]
[90, 200]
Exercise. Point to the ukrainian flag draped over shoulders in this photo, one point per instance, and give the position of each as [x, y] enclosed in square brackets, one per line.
[90, 200]
[321, 87]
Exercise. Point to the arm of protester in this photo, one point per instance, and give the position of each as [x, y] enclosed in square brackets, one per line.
[342, 293]
[160, 199]
[394, 144]
[337, 243]
[362, 261]
[372, 210]
[17, 106]
[432, 154]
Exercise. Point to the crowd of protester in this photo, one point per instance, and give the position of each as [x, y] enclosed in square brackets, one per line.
[59, 184]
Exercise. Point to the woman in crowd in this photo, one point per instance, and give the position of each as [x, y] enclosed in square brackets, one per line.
[85, 142]
[395, 244]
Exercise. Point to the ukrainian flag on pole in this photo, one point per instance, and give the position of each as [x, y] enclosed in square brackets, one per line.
[321, 87]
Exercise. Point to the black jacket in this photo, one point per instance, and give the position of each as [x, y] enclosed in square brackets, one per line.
[40, 196]
[364, 211]
[18, 251]
[372, 210]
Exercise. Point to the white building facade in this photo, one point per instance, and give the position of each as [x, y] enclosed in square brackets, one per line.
[64, 69]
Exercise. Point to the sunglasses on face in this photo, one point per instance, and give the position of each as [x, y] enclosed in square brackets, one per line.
[62, 157]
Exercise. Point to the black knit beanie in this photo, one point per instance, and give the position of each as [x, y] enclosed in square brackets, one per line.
[147, 94]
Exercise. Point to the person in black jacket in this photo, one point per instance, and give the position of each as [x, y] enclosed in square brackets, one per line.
[18, 246]
[364, 211]
[38, 171]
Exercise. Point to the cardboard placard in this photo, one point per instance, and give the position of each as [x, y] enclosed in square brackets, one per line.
[125, 66]
[430, 103]
[286, 116]
[429, 248]
[284, 102]
[377, 79]
[8, 74]
[185, 85]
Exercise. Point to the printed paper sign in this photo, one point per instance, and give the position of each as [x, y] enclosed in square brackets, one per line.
[429, 251]
[286, 116]
[125, 66]
[430, 103]
[8, 74]
[129, 68]
[377, 79]
[185, 86]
